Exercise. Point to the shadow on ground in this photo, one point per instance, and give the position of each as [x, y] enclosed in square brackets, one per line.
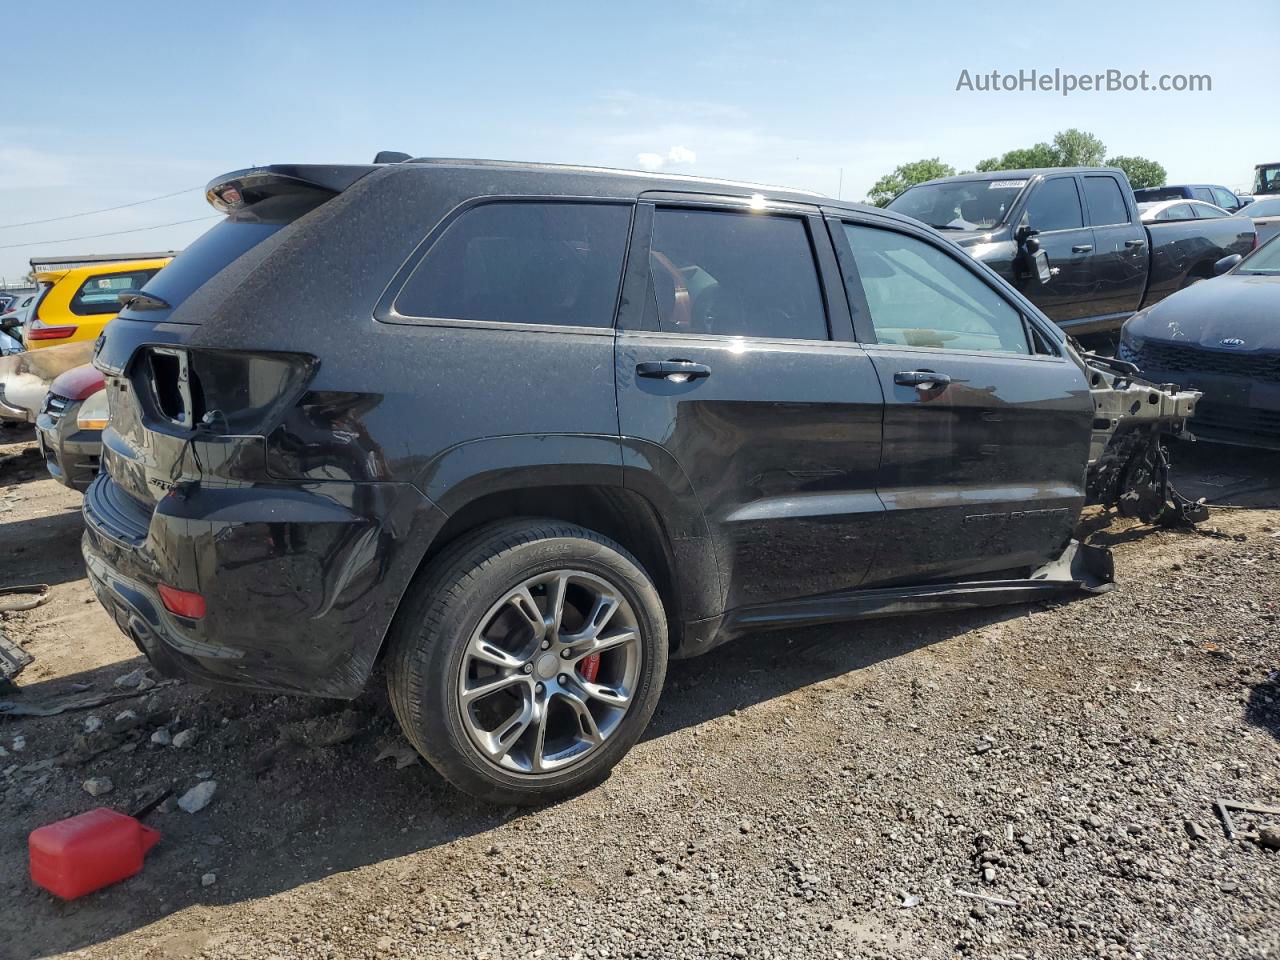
[288, 815]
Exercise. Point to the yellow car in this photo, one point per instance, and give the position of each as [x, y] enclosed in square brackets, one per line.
[77, 302]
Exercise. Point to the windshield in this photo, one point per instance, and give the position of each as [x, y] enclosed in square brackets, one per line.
[1263, 208]
[960, 205]
[1265, 261]
[1267, 179]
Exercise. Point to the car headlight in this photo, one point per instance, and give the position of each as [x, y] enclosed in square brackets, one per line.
[93, 413]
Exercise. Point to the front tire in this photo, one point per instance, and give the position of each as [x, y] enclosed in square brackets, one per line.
[527, 660]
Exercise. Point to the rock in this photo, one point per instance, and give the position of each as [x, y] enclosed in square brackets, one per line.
[92, 723]
[1269, 837]
[97, 786]
[186, 738]
[1194, 830]
[910, 900]
[208, 880]
[989, 874]
[124, 721]
[744, 826]
[19, 743]
[198, 797]
[204, 774]
[131, 680]
[162, 737]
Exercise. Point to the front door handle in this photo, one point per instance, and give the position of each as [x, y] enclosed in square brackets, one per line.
[676, 371]
[1135, 243]
[1082, 248]
[922, 380]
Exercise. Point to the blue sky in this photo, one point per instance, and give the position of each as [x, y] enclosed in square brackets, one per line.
[107, 104]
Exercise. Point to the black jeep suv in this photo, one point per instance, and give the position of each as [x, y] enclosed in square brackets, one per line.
[520, 432]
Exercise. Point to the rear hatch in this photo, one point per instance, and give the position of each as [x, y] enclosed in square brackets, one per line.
[180, 410]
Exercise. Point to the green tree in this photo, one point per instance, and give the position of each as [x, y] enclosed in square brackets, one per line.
[1140, 171]
[1041, 155]
[907, 175]
[1075, 148]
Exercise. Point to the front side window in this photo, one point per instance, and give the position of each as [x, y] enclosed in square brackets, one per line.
[1055, 205]
[1202, 193]
[1225, 198]
[919, 296]
[1106, 202]
[1263, 208]
[556, 263]
[735, 274]
[101, 294]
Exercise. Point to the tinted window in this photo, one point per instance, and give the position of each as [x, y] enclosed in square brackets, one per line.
[513, 262]
[921, 297]
[1155, 194]
[1179, 211]
[101, 294]
[1055, 205]
[1106, 202]
[1225, 198]
[1202, 193]
[735, 274]
[1205, 212]
[212, 251]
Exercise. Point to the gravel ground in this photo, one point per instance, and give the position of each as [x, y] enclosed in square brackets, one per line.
[1034, 782]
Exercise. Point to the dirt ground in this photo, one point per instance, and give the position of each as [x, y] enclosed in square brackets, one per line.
[834, 792]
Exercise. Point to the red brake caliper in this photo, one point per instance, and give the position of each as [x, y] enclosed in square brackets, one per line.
[590, 667]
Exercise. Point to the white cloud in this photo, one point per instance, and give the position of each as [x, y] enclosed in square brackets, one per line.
[676, 155]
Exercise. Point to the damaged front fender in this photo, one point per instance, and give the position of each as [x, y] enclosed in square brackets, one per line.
[1129, 460]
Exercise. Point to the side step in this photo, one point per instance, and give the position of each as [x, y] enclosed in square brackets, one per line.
[1080, 569]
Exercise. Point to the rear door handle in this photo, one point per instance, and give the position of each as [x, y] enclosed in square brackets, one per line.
[1135, 243]
[1082, 248]
[922, 380]
[677, 371]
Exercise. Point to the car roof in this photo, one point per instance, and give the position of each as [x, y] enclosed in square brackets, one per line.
[96, 269]
[633, 183]
[1153, 207]
[1025, 174]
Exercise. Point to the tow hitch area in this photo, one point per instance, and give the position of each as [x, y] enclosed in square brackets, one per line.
[1128, 457]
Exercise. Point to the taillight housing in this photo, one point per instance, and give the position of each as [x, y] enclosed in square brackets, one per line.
[49, 333]
[184, 603]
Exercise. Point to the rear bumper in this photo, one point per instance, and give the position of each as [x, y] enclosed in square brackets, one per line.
[72, 455]
[300, 583]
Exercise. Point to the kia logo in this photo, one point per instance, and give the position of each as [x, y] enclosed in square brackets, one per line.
[1231, 342]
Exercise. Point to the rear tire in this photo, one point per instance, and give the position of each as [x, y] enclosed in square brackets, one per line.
[491, 672]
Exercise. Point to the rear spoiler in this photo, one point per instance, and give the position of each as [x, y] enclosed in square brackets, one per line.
[241, 189]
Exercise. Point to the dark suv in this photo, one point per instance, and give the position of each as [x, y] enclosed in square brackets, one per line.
[520, 432]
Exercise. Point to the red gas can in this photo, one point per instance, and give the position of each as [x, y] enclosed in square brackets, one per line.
[85, 853]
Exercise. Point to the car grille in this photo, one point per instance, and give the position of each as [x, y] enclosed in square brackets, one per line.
[1175, 356]
[1236, 420]
[55, 405]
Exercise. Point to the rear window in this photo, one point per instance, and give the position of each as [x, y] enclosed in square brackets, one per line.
[213, 251]
[101, 294]
[1156, 194]
[553, 263]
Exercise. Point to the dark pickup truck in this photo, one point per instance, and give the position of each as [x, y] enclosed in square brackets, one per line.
[1104, 264]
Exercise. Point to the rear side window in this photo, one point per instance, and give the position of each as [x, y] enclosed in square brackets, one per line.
[1209, 213]
[1055, 205]
[1179, 211]
[555, 263]
[1106, 202]
[101, 294]
[735, 274]
[919, 296]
